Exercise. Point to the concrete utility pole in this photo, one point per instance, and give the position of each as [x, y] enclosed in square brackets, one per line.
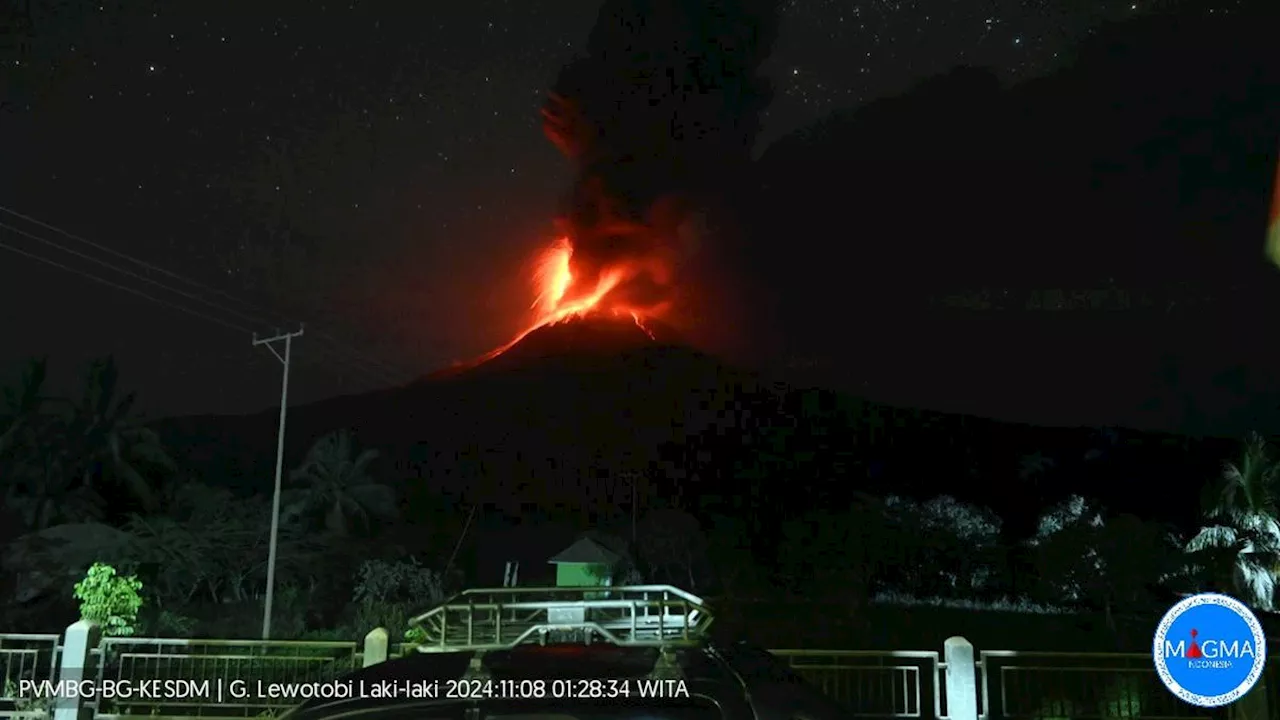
[275, 500]
[1273, 221]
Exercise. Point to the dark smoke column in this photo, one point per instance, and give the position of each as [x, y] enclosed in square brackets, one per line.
[659, 119]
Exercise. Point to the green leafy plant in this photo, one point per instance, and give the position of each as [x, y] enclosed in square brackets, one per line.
[110, 600]
[40, 706]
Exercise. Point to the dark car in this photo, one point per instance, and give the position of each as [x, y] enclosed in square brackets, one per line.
[634, 653]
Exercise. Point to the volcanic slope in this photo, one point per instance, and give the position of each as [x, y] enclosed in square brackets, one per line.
[570, 342]
[572, 400]
[563, 395]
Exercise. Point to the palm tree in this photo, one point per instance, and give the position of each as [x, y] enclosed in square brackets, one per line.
[109, 443]
[1241, 540]
[44, 493]
[38, 484]
[23, 411]
[1033, 467]
[338, 486]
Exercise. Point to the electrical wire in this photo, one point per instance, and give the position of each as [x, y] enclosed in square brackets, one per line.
[125, 256]
[382, 367]
[379, 376]
[130, 273]
[124, 288]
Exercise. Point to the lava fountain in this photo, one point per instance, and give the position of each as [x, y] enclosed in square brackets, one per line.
[563, 295]
[658, 117]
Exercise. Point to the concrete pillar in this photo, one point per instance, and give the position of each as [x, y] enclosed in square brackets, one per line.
[961, 679]
[76, 666]
[375, 647]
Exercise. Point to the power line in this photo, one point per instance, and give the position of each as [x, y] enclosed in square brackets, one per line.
[377, 378]
[130, 273]
[118, 286]
[369, 373]
[132, 259]
[260, 312]
[382, 372]
[258, 320]
[391, 370]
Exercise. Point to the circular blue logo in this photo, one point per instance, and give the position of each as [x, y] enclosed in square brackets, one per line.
[1210, 650]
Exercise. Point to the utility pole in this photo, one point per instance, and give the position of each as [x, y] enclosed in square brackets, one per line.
[287, 338]
[1273, 220]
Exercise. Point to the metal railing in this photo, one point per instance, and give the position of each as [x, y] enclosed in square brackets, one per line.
[499, 618]
[397, 650]
[894, 684]
[200, 678]
[873, 684]
[26, 658]
[1080, 686]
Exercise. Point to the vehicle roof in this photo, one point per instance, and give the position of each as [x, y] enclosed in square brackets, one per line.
[705, 674]
[741, 679]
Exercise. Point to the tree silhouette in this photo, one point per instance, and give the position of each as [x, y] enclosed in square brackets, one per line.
[1241, 541]
[45, 492]
[56, 465]
[37, 482]
[23, 411]
[338, 486]
[107, 442]
[209, 545]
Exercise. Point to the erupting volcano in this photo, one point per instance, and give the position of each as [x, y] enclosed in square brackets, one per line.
[564, 296]
[658, 118]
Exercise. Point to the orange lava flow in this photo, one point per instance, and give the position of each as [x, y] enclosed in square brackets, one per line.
[562, 295]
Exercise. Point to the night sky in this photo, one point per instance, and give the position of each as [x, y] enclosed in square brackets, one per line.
[374, 168]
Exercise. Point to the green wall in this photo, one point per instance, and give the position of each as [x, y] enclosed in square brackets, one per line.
[581, 574]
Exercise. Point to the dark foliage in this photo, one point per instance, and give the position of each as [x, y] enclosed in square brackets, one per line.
[938, 234]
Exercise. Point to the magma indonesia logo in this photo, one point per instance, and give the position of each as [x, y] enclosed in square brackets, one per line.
[1210, 650]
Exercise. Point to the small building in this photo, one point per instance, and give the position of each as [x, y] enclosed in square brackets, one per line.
[586, 563]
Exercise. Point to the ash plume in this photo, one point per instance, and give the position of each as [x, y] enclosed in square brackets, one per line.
[658, 117]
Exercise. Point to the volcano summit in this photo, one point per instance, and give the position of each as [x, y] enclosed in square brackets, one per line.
[577, 338]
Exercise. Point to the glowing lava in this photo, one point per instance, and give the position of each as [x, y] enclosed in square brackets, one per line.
[563, 293]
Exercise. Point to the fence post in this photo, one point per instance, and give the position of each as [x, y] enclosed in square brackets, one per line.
[375, 647]
[77, 646]
[961, 679]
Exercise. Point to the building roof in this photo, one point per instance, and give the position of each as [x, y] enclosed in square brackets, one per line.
[586, 551]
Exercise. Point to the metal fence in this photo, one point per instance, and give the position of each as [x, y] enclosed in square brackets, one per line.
[29, 657]
[196, 678]
[1077, 686]
[898, 684]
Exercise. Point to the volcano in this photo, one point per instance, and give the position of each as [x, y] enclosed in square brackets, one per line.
[534, 424]
[574, 403]
[575, 341]
[657, 117]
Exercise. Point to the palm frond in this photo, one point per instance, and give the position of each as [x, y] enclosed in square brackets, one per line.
[1214, 537]
[378, 500]
[361, 464]
[1242, 529]
[337, 487]
[1257, 582]
[335, 519]
[137, 485]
